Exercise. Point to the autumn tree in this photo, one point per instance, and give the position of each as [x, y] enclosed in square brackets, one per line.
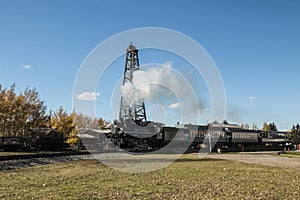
[269, 127]
[103, 124]
[7, 97]
[25, 114]
[266, 127]
[225, 122]
[20, 114]
[254, 127]
[84, 122]
[247, 126]
[34, 110]
[272, 127]
[63, 122]
[295, 134]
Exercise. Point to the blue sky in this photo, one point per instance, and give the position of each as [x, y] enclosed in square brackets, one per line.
[255, 44]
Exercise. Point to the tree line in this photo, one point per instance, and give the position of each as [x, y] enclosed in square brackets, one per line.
[269, 127]
[295, 134]
[22, 113]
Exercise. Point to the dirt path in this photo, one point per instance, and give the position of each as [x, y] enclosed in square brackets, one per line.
[261, 159]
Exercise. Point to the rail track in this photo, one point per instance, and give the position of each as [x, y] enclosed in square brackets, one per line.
[29, 155]
[16, 161]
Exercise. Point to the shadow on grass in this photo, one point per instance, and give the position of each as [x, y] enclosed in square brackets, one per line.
[158, 160]
[199, 160]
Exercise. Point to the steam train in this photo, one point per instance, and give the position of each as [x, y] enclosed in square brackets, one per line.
[153, 136]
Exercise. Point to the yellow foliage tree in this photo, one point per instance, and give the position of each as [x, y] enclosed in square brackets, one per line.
[266, 126]
[63, 123]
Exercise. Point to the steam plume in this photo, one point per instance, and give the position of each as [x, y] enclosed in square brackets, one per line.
[166, 84]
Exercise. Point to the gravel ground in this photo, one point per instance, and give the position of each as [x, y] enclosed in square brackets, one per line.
[263, 158]
[20, 163]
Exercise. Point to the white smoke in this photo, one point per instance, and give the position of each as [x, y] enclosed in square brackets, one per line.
[174, 105]
[163, 83]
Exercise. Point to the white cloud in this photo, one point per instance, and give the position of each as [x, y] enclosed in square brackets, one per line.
[26, 67]
[251, 97]
[88, 96]
[174, 105]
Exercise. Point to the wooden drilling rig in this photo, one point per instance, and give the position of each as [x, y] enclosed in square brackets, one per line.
[136, 112]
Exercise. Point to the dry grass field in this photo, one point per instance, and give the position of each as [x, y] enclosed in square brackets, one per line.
[291, 154]
[187, 178]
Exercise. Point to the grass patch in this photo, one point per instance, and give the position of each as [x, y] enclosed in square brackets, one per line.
[13, 153]
[188, 178]
[291, 154]
[24, 153]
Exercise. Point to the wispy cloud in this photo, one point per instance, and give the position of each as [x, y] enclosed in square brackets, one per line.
[26, 67]
[88, 96]
[251, 97]
[174, 105]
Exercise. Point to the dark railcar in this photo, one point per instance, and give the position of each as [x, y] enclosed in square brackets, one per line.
[244, 136]
[175, 134]
[12, 143]
[198, 133]
[49, 142]
[274, 137]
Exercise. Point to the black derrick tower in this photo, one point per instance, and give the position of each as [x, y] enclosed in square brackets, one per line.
[137, 111]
